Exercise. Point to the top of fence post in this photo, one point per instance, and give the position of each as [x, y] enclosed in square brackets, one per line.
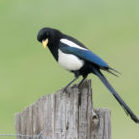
[65, 116]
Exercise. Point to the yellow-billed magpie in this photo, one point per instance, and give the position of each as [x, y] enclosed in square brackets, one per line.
[78, 59]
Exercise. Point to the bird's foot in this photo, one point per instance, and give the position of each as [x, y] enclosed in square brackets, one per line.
[81, 84]
[65, 89]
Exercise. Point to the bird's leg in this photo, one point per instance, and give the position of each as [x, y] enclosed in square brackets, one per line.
[76, 77]
[79, 85]
[81, 82]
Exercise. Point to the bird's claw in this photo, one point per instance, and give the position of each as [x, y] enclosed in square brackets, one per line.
[65, 89]
[81, 84]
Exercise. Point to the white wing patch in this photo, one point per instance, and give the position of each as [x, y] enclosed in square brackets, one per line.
[69, 61]
[71, 44]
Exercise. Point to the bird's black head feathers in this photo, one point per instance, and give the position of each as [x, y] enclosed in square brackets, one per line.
[51, 34]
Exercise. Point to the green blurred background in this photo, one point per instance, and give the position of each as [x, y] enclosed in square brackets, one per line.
[27, 71]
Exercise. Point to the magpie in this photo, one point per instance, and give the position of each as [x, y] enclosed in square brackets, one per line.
[73, 56]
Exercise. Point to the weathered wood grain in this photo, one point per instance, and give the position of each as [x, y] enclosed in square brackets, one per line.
[63, 115]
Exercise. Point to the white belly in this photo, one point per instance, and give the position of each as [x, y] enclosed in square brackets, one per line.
[69, 61]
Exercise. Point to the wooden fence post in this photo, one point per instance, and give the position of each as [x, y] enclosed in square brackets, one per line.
[65, 116]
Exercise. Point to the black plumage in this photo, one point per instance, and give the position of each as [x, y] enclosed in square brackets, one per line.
[78, 59]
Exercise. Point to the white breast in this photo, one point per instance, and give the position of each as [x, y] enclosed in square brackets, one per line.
[69, 61]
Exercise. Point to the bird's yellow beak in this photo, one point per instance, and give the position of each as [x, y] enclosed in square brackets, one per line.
[44, 43]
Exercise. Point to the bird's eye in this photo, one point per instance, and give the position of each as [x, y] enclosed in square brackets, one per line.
[48, 36]
[43, 40]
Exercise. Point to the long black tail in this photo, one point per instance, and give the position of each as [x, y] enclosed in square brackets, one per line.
[116, 95]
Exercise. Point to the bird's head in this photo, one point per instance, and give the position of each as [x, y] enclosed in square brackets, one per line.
[49, 36]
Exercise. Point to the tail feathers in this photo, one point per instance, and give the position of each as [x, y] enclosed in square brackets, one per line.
[112, 71]
[109, 71]
[110, 68]
[116, 95]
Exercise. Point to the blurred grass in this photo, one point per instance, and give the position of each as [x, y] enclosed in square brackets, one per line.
[109, 28]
